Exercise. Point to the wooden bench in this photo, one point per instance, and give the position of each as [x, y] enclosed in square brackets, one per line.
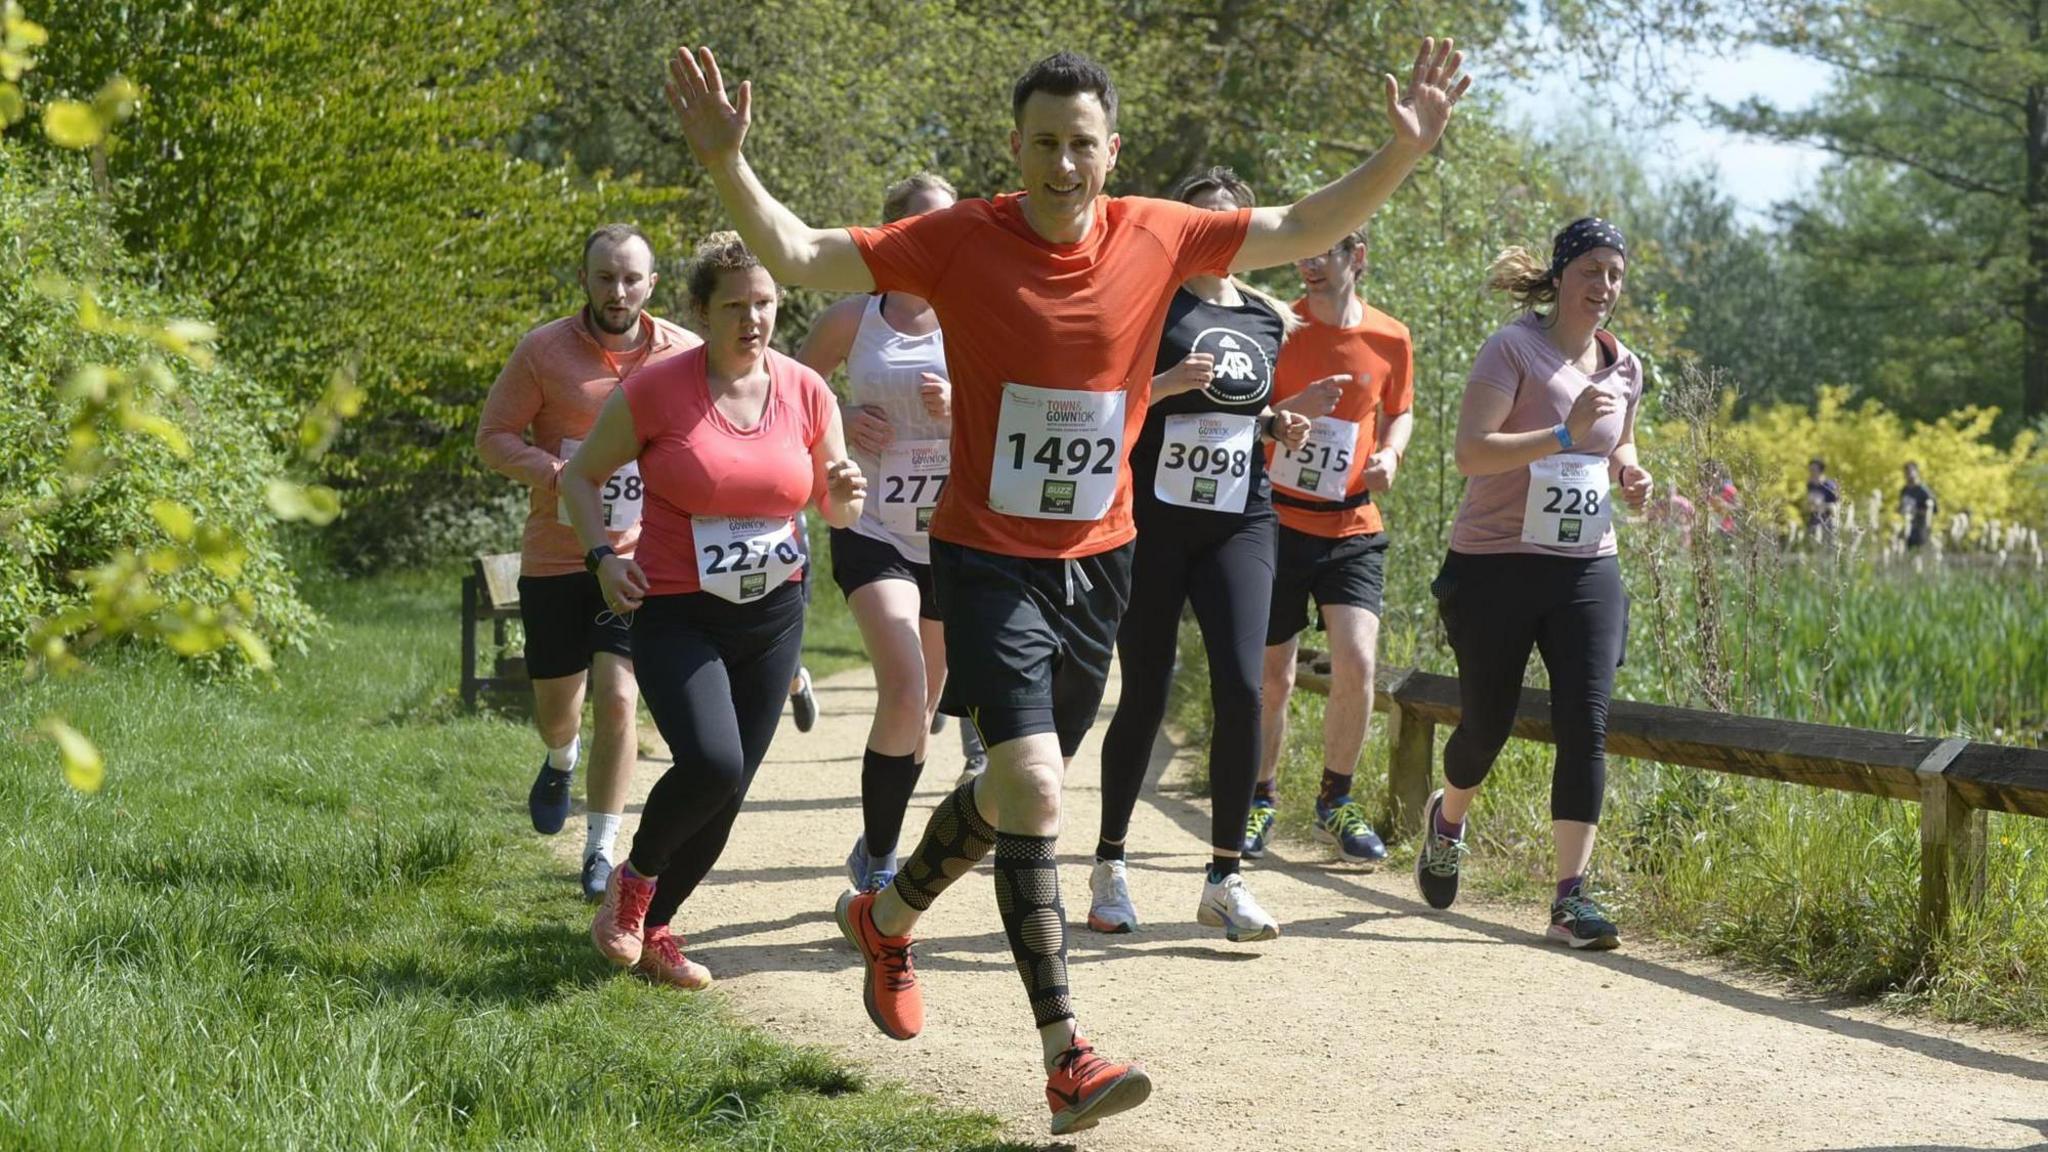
[491, 592]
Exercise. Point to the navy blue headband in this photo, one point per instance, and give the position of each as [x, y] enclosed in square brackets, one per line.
[1580, 237]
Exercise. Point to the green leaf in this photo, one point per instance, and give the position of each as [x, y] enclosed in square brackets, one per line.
[12, 107]
[316, 504]
[70, 124]
[252, 646]
[175, 518]
[84, 768]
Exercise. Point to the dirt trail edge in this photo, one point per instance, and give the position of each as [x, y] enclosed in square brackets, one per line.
[1372, 1022]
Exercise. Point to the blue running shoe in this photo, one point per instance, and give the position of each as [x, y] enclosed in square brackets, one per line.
[1344, 824]
[1258, 828]
[1579, 922]
[597, 872]
[547, 802]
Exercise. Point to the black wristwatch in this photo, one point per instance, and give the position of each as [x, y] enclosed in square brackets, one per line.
[595, 557]
[1266, 426]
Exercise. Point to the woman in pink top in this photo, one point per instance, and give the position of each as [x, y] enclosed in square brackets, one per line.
[1546, 438]
[732, 440]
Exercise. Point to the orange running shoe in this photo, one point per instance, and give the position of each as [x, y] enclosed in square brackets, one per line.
[890, 988]
[662, 961]
[1084, 1088]
[618, 927]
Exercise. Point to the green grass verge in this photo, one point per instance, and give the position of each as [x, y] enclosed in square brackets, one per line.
[1818, 886]
[309, 915]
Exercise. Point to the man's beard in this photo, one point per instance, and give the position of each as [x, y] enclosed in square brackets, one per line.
[604, 324]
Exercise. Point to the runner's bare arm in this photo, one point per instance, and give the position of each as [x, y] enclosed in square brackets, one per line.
[1634, 479]
[1483, 449]
[1314, 224]
[612, 442]
[830, 339]
[1385, 462]
[791, 250]
[841, 487]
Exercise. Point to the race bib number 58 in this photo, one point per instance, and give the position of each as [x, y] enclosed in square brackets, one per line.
[621, 498]
[1567, 504]
[1056, 453]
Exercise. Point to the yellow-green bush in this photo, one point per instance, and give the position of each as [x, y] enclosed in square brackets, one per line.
[1865, 445]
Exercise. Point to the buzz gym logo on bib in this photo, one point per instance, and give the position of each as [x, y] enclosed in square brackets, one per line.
[753, 584]
[1568, 530]
[1311, 477]
[924, 516]
[1203, 491]
[1057, 497]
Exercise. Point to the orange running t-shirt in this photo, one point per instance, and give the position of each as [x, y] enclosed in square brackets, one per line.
[553, 388]
[1017, 309]
[1381, 361]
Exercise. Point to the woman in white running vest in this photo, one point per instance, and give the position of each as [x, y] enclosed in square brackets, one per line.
[899, 424]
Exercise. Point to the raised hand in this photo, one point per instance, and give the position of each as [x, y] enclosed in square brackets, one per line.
[1290, 429]
[1592, 406]
[1418, 115]
[1189, 375]
[844, 482]
[937, 395]
[1379, 470]
[1635, 485]
[714, 126]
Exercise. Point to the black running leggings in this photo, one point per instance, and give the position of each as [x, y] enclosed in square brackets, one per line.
[715, 675]
[1227, 572]
[1572, 610]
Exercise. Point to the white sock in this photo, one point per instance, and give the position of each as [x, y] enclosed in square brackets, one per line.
[881, 863]
[600, 832]
[563, 759]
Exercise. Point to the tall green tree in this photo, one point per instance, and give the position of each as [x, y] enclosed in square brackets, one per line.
[1934, 228]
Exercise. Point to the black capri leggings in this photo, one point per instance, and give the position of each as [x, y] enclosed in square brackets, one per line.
[1228, 575]
[1572, 610]
[715, 675]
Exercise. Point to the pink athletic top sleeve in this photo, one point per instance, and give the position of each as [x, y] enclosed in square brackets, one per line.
[1519, 361]
[695, 462]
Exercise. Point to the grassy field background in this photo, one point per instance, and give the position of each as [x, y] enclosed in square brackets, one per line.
[310, 915]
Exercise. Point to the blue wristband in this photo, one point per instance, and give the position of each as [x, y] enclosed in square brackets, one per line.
[1564, 437]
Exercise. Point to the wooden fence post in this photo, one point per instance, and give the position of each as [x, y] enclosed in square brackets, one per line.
[1409, 773]
[1951, 844]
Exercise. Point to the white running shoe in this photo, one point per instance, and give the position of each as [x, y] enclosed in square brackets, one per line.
[1228, 904]
[1109, 898]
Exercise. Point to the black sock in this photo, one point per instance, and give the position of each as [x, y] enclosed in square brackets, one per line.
[955, 839]
[886, 783]
[1335, 787]
[1221, 866]
[1104, 850]
[1267, 790]
[1028, 897]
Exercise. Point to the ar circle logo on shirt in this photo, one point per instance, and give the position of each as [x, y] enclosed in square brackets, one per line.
[1244, 372]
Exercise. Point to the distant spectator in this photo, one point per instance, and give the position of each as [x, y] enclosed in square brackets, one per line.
[1917, 505]
[1822, 495]
[1675, 513]
[1723, 499]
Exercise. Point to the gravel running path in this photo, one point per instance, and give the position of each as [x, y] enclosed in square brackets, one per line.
[1372, 1022]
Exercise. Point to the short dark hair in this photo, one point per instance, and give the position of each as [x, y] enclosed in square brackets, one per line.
[1817, 462]
[615, 234]
[1065, 74]
[1216, 178]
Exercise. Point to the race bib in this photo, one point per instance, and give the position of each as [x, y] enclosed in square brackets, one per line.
[619, 499]
[1567, 504]
[1056, 453]
[1205, 461]
[1321, 467]
[913, 474]
[743, 558]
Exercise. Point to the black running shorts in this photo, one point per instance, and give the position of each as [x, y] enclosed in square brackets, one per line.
[1350, 570]
[562, 616]
[1029, 641]
[858, 561]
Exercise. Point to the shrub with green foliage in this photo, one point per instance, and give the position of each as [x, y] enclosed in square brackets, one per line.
[71, 501]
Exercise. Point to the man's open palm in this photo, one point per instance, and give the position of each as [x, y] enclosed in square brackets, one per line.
[1434, 86]
[714, 125]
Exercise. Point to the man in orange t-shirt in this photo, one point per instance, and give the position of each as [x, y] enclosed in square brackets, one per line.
[1052, 300]
[538, 411]
[1352, 368]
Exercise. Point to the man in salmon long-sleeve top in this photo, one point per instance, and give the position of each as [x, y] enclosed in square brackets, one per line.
[541, 407]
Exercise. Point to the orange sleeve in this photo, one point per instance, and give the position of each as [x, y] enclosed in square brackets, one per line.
[912, 254]
[1400, 395]
[1204, 242]
[514, 401]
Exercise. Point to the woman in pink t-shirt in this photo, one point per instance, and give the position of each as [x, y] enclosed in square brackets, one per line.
[733, 439]
[1546, 437]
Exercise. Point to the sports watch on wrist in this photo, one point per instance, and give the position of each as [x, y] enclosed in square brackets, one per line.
[595, 557]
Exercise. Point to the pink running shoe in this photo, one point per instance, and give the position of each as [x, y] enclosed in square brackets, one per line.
[662, 961]
[617, 928]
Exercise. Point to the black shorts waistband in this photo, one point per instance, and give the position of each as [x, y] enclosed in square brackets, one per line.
[1345, 505]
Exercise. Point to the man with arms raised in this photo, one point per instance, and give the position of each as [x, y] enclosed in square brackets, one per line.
[551, 390]
[1052, 299]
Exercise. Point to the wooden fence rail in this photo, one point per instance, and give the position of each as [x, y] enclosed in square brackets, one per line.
[1955, 781]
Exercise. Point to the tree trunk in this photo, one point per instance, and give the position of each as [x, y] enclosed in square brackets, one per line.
[2034, 397]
